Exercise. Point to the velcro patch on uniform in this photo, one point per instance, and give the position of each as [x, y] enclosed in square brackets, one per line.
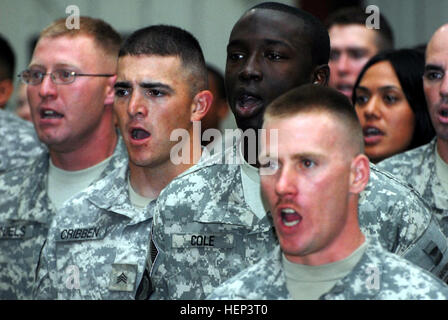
[218, 240]
[80, 234]
[122, 277]
[15, 231]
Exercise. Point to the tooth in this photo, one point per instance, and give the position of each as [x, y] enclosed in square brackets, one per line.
[291, 223]
[288, 210]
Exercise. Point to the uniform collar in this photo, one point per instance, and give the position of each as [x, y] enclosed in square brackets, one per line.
[229, 205]
[33, 202]
[434, 186]
[111, 194]
[360, 282]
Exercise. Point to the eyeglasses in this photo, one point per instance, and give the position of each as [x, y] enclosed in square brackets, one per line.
[35, 77]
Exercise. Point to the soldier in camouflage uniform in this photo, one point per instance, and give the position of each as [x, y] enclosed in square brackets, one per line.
[324, 254]
[424, 167]
[205, 230]
[73, 117]
[26, 213]
[98, 243]
[19, 143]
[214, 195]
[398, 280]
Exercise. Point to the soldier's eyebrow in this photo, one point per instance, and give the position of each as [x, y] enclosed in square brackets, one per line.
[362, 88]
[122, 84]
[306, 155]
[155, 85]
[433, 67]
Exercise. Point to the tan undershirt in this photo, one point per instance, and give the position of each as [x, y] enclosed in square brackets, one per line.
[63, 184]
[252, 187]
[306, 282]
[136, 199]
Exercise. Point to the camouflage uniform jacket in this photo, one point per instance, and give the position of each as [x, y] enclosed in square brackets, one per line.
[19, 144]
[379, 275]
[398, 216]
[204, 231]
[418, 168]
[25, 217]
[97, 245]
[203, 204]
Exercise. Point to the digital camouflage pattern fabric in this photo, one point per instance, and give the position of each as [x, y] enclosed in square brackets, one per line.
[417, 167]
[204, 231]
[25, 217]
[206, 205]
[97, 246]
[398, 216]
[19, 144]
[379, 275]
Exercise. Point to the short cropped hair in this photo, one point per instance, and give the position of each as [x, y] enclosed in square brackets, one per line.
[165, 40]
[356, 15]
[409, 65]
[320, 99]
[104, 35]
[7, 60]
[314, 31]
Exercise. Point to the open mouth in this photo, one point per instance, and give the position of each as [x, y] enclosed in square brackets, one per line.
[290, 217]
[50, 114]
[139, 134]
[346, 89]
[372, 135]
[247, 104]
[372, 131]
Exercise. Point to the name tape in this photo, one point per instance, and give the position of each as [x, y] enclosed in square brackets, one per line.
[15, 231]
[219, 240]
[79, 234]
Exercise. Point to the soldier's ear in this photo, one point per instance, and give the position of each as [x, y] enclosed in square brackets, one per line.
[202, 102]
[359, 174]
[6, 89]
[321, 74]
[110, 91]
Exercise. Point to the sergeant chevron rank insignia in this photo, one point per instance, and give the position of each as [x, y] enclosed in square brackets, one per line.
[122, 277]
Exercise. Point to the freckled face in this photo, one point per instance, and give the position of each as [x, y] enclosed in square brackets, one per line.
[68, 115]
[308, 193]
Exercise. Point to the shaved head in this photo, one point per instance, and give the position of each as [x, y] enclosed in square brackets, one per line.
[311, 98]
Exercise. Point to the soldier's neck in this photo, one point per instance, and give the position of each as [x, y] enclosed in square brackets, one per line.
[149, 181]
[85, 155]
